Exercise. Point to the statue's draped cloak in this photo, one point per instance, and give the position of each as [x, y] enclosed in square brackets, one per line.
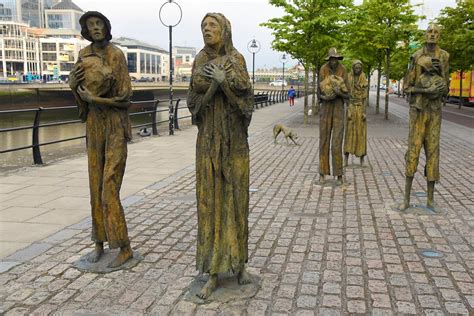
[222, 162]
[356, 132]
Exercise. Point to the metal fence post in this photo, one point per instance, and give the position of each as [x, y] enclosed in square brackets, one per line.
[35, 138]
[153, 118]
[176, 124]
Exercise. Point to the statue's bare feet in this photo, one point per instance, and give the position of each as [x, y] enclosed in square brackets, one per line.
[244, 278]
[97, 253]
[430, 205]
[339, 180]
[403, 206]
[208, 288]
[124, 254]
[321, 179]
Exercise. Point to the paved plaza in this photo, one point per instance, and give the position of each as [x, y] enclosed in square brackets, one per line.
[319, 250]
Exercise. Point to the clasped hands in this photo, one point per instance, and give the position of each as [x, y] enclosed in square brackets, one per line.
[217, 72]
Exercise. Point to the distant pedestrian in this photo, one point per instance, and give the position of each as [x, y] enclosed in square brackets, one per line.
[291, 96]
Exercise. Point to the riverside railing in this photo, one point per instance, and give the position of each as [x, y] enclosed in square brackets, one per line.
[151, 108]
[37, 125]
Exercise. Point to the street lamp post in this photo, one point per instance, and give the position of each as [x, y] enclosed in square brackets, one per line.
[170, 16]
[283, 59]
[253, 47]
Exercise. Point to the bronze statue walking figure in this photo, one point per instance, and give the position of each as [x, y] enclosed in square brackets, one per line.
[427, 84]
[334, 90]
[355, 141]
[221, 101]
[101, 85]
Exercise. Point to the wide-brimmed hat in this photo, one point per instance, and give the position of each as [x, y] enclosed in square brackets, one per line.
[333, 54]
[83, 23]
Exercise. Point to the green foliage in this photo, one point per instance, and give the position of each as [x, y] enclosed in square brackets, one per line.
[457, 36]
[308, 28]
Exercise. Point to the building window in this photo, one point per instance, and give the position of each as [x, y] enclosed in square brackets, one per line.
[49, 56]
[187, 59]
[142, 63]
[132, 62]
[66, 66]
[49, 47]
[153, 67]
[148, 63]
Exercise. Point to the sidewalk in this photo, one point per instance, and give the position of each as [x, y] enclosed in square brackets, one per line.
[37, 202]
[319, 250]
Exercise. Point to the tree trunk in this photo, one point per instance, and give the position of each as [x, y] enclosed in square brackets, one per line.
[399, 88]
[368, 88]
[306, 88]
[461, 100]
[318, 88]
[387, 76]
[379, 75]
[315, 97]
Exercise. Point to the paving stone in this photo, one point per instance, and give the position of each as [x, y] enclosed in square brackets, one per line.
[456, 308]
[406, 307]
[356, 307]
[306, 301]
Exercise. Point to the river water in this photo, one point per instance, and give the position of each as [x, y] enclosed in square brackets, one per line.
[53, 152]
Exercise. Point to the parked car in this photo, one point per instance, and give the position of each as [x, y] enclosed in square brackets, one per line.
[278, 83]
[144, 79]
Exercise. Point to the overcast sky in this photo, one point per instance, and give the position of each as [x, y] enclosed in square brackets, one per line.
[139, 19]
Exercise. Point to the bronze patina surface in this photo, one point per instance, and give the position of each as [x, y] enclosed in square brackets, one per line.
[101, 85]
[221, 101]
[427, 84]
[355, 141]
[334, 83]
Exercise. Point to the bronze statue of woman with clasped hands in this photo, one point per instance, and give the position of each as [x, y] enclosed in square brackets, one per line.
[221, 101]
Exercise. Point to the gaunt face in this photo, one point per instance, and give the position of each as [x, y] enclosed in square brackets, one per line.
[211, 31]
[432, 34]
[357, 69]
[96, 28]
[333, 62]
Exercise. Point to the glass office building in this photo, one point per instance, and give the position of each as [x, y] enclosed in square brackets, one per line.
[8, 10]
[64, 15]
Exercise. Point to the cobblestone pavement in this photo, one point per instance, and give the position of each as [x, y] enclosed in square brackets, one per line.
[319, 250]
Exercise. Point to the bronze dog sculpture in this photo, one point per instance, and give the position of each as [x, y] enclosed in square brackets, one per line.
[288, 133]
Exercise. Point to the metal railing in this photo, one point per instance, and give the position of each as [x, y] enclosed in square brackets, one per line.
[37, 125]
[260, 99]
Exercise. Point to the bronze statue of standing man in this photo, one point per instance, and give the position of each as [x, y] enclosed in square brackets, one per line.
[220, 99]
[355, 141]
[334, 90]
[427, 84]
[101, 85]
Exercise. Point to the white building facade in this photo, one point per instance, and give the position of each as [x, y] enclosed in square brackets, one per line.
[145, 61]
[19, 50]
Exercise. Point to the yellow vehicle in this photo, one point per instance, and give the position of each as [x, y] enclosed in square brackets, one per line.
[467, 86]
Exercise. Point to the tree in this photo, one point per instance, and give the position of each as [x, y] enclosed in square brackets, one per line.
[306, 31]
[457, 37]
[390, 23]
[361, 42]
